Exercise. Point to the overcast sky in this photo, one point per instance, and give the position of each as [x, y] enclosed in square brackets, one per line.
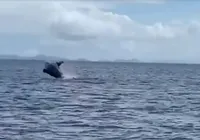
[149, 30]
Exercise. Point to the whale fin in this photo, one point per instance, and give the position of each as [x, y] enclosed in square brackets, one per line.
[59, 63]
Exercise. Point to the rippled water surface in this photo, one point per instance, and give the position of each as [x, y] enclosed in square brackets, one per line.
[103, 101]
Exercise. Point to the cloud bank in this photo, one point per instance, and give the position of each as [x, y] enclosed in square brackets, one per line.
[90, 29]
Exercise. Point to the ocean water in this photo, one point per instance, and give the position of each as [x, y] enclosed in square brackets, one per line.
[99, 101]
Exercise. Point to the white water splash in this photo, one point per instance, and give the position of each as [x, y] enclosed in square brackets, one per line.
[68, 71]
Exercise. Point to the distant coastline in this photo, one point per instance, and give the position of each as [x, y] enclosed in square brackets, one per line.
[54, 58]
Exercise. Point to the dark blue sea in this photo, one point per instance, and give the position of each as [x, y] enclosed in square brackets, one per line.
[99, 101]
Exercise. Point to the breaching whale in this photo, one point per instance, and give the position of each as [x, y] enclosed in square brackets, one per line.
[53, 69]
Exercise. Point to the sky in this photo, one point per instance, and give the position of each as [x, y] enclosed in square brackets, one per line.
[147, 30]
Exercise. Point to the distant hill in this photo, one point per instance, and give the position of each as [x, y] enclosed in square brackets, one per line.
[123, 60]
[9, 57]
[54, 58]
[44, 57]
[82, 60]
[37, 57]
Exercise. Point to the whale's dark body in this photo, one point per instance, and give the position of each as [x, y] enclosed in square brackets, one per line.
[53, 69]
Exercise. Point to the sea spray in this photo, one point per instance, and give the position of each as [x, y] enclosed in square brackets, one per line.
[68, 71]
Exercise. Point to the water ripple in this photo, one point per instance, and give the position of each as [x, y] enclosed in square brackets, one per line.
[107, 101]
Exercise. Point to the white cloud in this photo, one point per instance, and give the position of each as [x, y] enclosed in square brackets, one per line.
[86, 23]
